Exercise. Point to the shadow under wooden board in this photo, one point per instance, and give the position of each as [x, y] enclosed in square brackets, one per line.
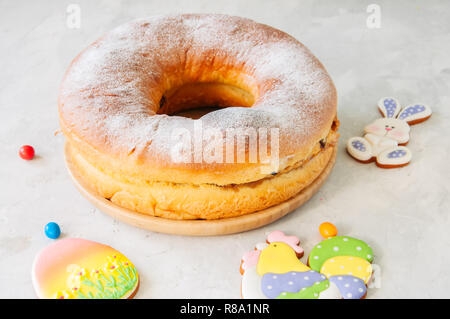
[200, 227]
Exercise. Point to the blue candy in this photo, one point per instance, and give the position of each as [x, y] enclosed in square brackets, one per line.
[52, 230]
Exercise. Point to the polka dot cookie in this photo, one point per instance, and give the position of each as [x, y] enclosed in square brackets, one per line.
[349, 286]
[76, 268]
[338, 246]
[273, 270]
[347, 265]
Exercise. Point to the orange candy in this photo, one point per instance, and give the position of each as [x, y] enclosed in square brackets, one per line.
[328, 230]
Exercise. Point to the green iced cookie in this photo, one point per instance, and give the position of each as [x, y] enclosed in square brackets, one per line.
[338, 246]
[312, 292]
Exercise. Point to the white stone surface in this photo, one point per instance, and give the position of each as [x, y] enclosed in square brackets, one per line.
[402, 213]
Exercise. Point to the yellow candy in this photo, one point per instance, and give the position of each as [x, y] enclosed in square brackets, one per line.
[347, 265]
[328, 230]
[279, 258]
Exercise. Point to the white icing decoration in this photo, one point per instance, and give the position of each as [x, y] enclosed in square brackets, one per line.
[261, 246]
[251, 285]
[331, 293]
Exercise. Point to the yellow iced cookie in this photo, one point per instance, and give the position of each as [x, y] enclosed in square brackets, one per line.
[279, 258]
[347, 265]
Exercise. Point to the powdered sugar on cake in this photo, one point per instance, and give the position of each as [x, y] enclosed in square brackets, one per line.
[106, 96]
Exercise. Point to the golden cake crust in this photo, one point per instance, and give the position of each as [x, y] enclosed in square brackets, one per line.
[201, 201]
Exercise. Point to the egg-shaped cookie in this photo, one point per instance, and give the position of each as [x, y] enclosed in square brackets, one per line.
[338, 246]
[347, 265]
[75, 268]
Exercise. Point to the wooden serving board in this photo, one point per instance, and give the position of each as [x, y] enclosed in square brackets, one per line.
[200, 227]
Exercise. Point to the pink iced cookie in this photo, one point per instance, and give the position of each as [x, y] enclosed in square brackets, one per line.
[250, 259]
[75, 268]
[293, 241]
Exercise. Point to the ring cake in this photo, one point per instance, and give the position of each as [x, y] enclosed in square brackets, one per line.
[120, 96]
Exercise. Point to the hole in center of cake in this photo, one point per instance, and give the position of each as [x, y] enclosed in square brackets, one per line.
[194, 100]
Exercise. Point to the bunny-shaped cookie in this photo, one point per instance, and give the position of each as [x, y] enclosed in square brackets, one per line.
[385, 139]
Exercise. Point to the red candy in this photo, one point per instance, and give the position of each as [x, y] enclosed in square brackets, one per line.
[26, 152]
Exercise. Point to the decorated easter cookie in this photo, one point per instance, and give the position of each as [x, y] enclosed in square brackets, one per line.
[76, 268]
[349, 286]
[338, 246]
[347, 265]
[343, 256]
[273, 270]
[385, 138]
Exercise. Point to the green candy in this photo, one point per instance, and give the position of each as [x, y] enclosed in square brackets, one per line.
[312, 292]
[338, 246]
